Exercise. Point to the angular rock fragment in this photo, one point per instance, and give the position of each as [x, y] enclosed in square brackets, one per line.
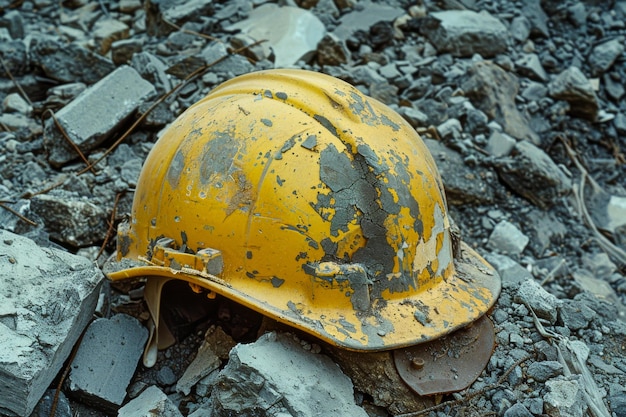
[47, 297]
[493, 90]
[507, 238]
[463, 184]
[70, 219]
[68, 63]
[95, 115]
[294, 39]
[572, 86]
[542, 302]
[276, 375]
[604, 55]
[364, 17]
[464, 33]
[564, 398]
[106, 360]
[532, 174]
[151, 402]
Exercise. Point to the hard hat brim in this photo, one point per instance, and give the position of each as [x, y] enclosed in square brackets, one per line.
[460, 299]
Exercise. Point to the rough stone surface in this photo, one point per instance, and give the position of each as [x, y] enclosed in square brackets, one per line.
[572, 86]
[507, 238]
[151, 402]
[564, 399]
[295, 39]
[276, 374]
[543, 303]
[47, 297]
[465, 32]
[106, 360]
[493, 90]
[93, 116]
[542, 371]
[534, 175]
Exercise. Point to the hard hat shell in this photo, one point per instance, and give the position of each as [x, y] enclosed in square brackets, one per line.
[296, 195]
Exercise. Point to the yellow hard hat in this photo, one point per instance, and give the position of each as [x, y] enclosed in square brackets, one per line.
[292, 193]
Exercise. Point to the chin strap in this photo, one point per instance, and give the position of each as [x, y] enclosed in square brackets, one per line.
[160, 336]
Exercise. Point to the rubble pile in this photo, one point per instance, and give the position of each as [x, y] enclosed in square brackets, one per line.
[522, 104]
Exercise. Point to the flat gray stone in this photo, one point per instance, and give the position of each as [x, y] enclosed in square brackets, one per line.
[365, 17]
[95, 114]
[511, 272]
[465, 33]
[604, 55]
[106, 360]
[275, 375]
[500, 144]
[151, 402]
[507, 238]
[205, 362]
[47, 297]
[294, 39]
[544, 370]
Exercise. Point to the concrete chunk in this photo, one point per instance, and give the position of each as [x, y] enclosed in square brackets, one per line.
[276, 375]
[47, 297]
[106, 360]
[94, 115]
[151, 402]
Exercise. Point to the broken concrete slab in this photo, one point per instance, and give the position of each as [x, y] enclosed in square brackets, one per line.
[47, 297]
[151, 402]
[294, 39]
[106, 361]
[507, 238]
[95, 114]
[365, 17]
[465, 33]
[276, 375]
[71, 219]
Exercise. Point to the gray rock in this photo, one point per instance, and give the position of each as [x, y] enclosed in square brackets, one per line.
[463, 184]
[507, 238]
[532, 174]
[494, 91]
[500, 144]
[295, 39]
[15, 103]
[152, 69]
[450, 129]
[534, 91]
[517, 410]
[96, 114]
[520, 28]
[181, 12]
[275, 375]
[68, 63]
[47, 297]
[564, 398]
[384, 92]
[530, 66]
[165, 376]
[465, 33]
[620, 123]
[106, 360]
[205, 362]
[542, 302]
[575, 315]
[73, 220]
[151, 402]
[412, 115]
[15, 58]
[614, 86]
[15, 23]
[604, 55]
[511, 272]
[538, 18]
[542, 371]
[107, 31]
[572, 86]
[617, 402]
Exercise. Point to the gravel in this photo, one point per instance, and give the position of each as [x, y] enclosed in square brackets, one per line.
[522, 104]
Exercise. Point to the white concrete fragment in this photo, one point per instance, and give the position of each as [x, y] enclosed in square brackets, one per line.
[277, 375]
[507, 238]
[151, 402]
[96, 113]
[47, 297]
[292, 33]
